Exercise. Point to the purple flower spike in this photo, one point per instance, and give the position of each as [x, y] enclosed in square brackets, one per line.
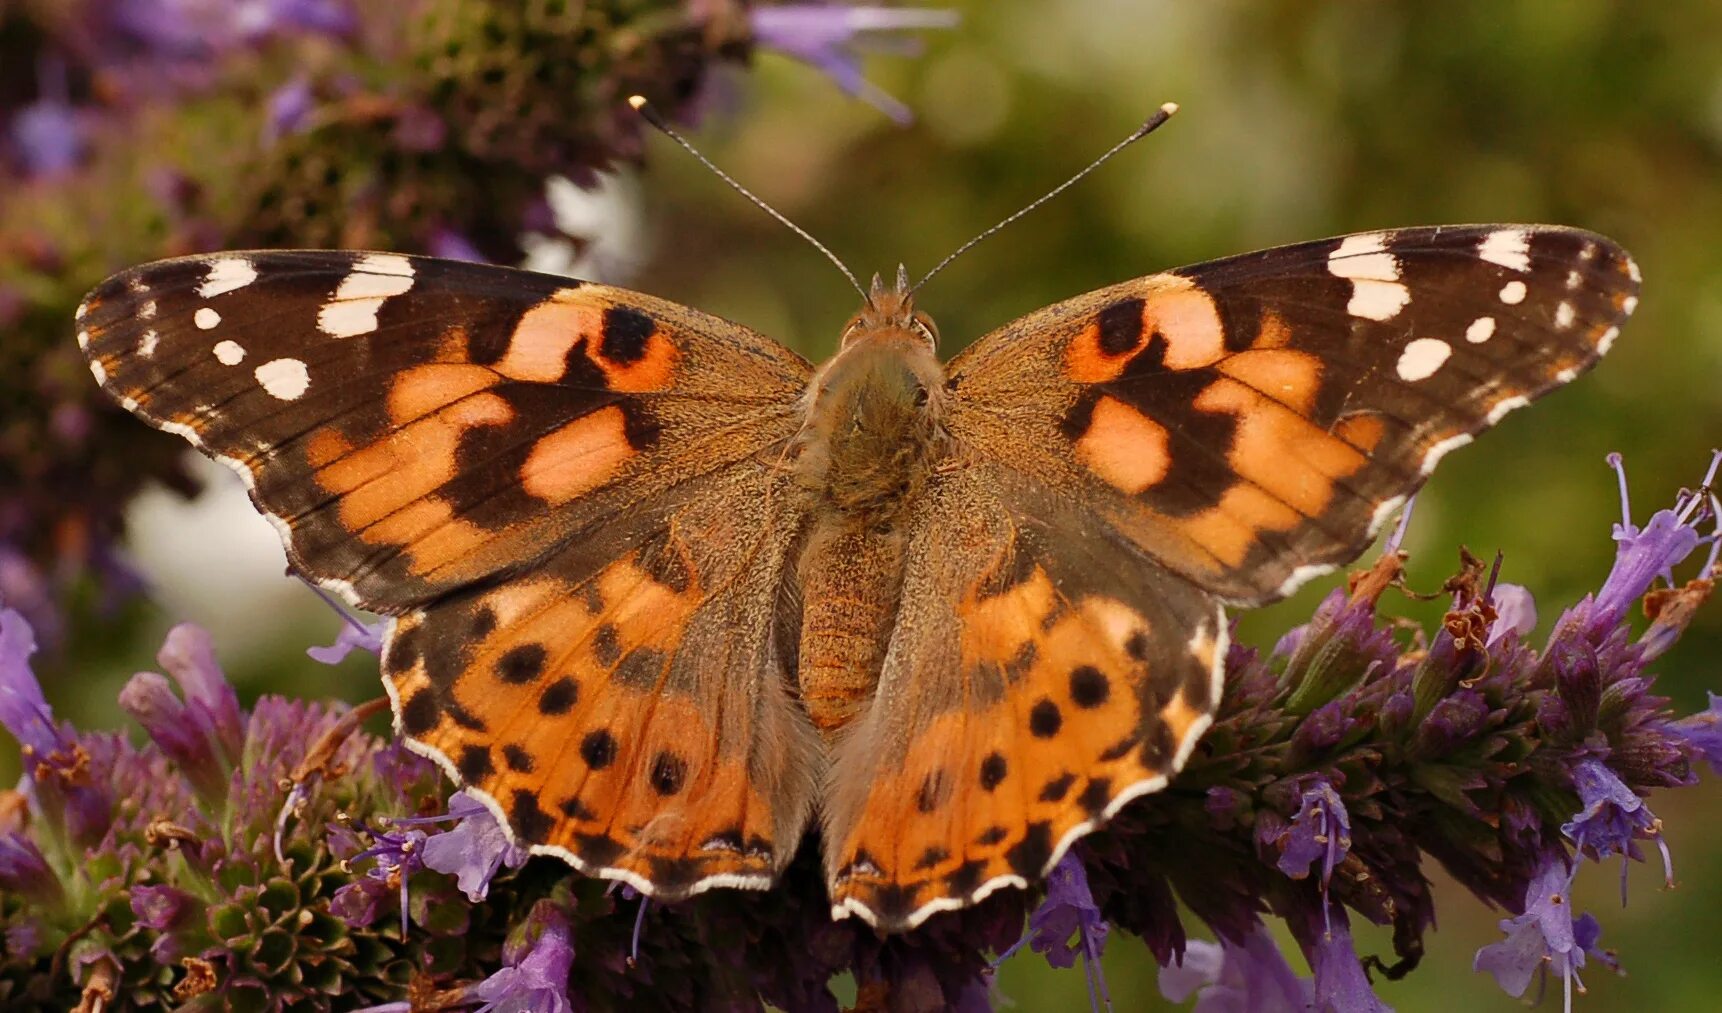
[1321, 831]
[1644, 554]
[475, 850]
[1230, 978]
[1546, 938]
[398, 855]
[536, 978]
[1612, 819]
[830, 37]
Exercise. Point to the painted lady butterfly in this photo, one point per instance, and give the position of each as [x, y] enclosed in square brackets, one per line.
[665, 593]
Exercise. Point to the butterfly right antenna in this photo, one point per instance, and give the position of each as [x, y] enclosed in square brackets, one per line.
[1160, 116]
[651, 116]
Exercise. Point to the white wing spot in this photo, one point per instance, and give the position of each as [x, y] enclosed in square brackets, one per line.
[206, 318]
[1481, 330]
[147, 342]
[1433, 455]
[1629, 305]
[1587, 252]
[1564, 315]
[229, 353]
[353, 310]
[1513, 293]
[1509, 248]
[1505, 405]
[1383, 513]
[1422, 358]
[1606, 342]
[1632, 271]
[284, 379]
[1573, 279]
[83, 309]
[225, 275]
[130, 404]
[147, 310]
[1567, 375]
[83, 339]
[99, 371]
[137, 284]
[1376, 292]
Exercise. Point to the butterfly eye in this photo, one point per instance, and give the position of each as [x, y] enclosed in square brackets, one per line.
[923, 326]
[920, 397]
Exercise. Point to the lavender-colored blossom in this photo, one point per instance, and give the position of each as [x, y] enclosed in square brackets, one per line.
[1613, 818]
[148, 698]
[160, 907]
[475, 850]
[26, 873]
[831, 38]
[188, 654]
[538, 960]
[1319, 832]
[1340, 985]
[23, 709]
[1703, 731]
[48, 137]
[448, 243]
[1228, 977]
[1547, 937]
[1644, 554]
[396, 855]
[354, 636]
[289, 108]
[1515, 612]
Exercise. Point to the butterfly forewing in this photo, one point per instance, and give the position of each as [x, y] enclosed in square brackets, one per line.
[1252, 422]
[412, 425]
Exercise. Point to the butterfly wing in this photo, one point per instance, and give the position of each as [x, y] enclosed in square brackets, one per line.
[1126, 460]
[568, 493]
[1044, 678]
[1252, 422]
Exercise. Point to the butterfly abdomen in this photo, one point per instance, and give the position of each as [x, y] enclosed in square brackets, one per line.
[851, 579]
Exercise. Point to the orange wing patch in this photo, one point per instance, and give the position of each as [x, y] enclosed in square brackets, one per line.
[562, 711]
[1128, 450]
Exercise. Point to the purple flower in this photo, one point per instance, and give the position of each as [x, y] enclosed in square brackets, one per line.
[1546, 937]
[160, 907]
[23, 709]
[538, 958]
[48, 137]
[1068, 912]
[1612, 818]
[397, 855]
[188, 654]
[150, 700]
[25, 873]
[55, 763]
[1515, 612]
[446, 242]
[830, 37]
[1649, 552]
[475, 850]
[1340, 981]
[1252, 977]
[1321, 831]
[354, 635]
[1703, 731]
[289, 108]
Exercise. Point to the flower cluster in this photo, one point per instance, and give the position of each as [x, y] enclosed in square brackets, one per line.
[140, 129]
[286, 858]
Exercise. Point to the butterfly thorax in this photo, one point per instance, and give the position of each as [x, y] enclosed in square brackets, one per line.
[872, 438]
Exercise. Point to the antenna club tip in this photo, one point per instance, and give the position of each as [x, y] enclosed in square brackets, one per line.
[1169, 108]
[638, 102]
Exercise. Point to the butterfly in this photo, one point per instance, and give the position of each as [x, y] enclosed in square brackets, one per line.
[667, 596]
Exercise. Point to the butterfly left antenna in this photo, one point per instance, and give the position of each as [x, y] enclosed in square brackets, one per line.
[651, 116]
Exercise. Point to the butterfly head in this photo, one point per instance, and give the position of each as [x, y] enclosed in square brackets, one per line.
[889, 315]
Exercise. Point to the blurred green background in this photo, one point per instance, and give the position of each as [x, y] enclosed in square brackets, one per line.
[1298, 120]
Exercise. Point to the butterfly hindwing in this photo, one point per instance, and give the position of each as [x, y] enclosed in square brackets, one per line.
[1251, 422]
[1043, 681]
[412, 425]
